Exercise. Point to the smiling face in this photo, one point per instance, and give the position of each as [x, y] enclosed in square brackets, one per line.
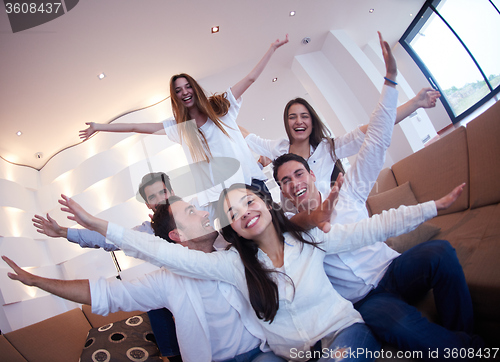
[156, 193]
[299, 123]
[297, 184]
[248, 214]
[192, 225]
[184, 92]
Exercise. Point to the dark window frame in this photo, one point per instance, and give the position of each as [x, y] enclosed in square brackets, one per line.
[428, 9]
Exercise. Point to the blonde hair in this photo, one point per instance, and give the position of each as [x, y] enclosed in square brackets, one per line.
[213, 107]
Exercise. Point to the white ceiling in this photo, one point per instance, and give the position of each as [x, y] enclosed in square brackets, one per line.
[49, 73]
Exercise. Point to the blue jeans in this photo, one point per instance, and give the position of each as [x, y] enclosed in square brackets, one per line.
[162, 323]
[430, 265]
[355, 338]
[256, 355]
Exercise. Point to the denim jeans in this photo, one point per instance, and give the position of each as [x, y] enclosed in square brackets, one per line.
[430, 265]
[162, 323]
[356, 343]
[256, 355]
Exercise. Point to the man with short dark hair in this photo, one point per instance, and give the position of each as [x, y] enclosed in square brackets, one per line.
[381, 282]
[214, 320]
[154, 189]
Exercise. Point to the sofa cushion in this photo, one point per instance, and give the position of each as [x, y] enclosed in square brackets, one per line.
[483, 279]
[483, 135]
[401, 195]
[8, 353]
[131, 339]
[407, 241]
[57, 339]
[97, 320]
[435, 170]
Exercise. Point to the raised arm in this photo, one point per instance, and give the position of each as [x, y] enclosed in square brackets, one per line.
[391, 68]
[82, 217]
[380, 227]
[148, 128]
[84, 238]
[49, 227]
[426, 98]
[177, 258]
[239, 88]
[75, 290]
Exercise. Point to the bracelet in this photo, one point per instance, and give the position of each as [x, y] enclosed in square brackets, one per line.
[390, 81]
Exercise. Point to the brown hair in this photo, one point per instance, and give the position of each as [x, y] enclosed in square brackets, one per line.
[262, 288]
[319, 129]
[214, 107]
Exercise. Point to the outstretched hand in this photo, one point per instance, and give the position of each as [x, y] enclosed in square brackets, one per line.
[427, 97]
[391, 68]
[279, 43]
[446, 201]
[86, 133]
[79, 215]
[49, 227]
[19, 274]
[321, 216]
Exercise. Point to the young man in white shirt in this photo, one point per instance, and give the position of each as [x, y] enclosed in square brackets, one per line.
[214, 321]
[381, 282]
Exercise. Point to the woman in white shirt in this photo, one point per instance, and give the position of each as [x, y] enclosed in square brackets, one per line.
[278, 267]
[206, 128]
[310, 138]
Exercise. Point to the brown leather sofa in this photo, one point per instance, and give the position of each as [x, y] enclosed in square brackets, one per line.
[469, 154]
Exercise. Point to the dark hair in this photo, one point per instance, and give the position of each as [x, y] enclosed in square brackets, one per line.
[262, 289]
[214, 107]
[150, 179]
[287, 157]
[163, 221]
[319, 130]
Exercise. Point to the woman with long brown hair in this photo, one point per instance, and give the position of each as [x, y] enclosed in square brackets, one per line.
[278, 268]
[205, 127]
[309, 137]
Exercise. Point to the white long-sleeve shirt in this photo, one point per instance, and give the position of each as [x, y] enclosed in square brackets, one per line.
[220, 146]
[355, 273]
[316, 310]
[213, 320]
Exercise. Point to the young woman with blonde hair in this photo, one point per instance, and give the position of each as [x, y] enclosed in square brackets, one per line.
[205, 127]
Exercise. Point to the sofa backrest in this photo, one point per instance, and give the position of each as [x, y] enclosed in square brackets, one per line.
[438, 168]
[57, 339]
[385, 182]
[483, 137]
[8, 353]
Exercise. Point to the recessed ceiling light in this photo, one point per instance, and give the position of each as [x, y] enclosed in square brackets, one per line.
[215, 29]
[19, 133]
[292, 13]
[411, 14]
[275, 80]
[371, 11]
[101, 76]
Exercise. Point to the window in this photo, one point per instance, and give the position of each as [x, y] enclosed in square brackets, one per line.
[456, 45]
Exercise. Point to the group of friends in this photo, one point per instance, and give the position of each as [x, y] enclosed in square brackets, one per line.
[309, 278]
